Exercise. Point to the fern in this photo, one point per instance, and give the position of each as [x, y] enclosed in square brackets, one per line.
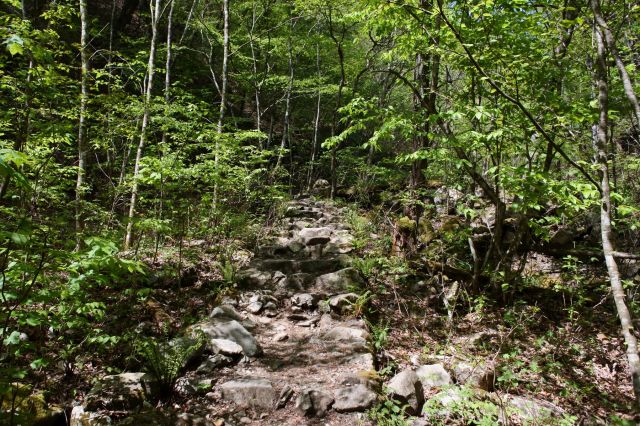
[165, 360]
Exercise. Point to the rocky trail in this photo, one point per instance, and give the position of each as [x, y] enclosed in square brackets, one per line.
[289, 348]
[285, 351]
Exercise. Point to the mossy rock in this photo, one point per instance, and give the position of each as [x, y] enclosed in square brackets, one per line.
[28, 407]
[406, 224]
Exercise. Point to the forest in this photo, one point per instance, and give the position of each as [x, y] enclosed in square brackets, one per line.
[319, 212]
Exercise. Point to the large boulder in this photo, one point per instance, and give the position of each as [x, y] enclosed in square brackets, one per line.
[250, 393]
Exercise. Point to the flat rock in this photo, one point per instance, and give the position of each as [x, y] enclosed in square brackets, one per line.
[350, 335]
[315, 236]
[225, 347]
[254, 277]
[357, 397]
[249, 393]
[231, 330]
[119, 392]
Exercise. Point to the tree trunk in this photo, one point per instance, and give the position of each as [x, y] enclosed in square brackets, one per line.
[82, 131]
[316, 124]
[610, 43]
[167, 97]
[223, 97]
[155, 6]
[254, 63]
[343, 81]
[287, 112]
[600, 142]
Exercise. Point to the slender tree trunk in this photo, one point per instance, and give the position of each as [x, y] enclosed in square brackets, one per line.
[610, 43]
[343, 81]
[186, 25]
[155, 6]
[223, 97]
[82, 130]
[316, 124]
[600, 142]
[287, 112]
[254, 63]
[167, 97]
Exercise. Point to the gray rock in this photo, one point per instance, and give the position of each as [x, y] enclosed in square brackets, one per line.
[309, 323]
[254, 277]
[340, 244]
[225, 347]
[186, 387]
[231, 330]
[339, 281]
[213, 363]
[120, 392]
[281, 337]
[285, 395]
[315, 236]
[324, 265]
[349, 335]
[249, 393]
[80, 417]
[304, 300]
[536, 409]
[406, 387]
[254, 307]
[480, 375]
[313, 402]
[228, 312]
[343, 303]
[433, 376]
[354, 398]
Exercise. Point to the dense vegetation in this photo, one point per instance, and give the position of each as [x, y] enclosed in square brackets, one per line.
[144, 142]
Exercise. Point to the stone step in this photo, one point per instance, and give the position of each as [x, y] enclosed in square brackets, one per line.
[308, 266]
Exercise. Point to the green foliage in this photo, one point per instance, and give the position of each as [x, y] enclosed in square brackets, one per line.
[166, 360]
[389, 413]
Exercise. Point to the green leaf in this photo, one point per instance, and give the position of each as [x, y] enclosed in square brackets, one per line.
[12, 339]
[15, 45]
